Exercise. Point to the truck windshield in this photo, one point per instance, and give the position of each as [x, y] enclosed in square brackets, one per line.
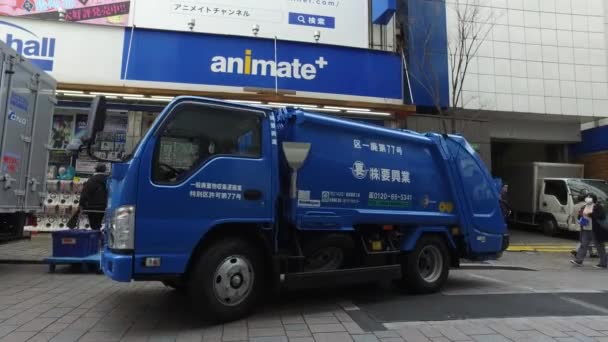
[580, 187]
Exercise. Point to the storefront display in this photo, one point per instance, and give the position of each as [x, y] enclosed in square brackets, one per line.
[68, 172]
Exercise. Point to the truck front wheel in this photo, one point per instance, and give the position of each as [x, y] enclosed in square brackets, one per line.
[549, 226]
[227, 280]
[426, 268]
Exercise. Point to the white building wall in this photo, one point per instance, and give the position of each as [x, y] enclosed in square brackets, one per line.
[540, 56]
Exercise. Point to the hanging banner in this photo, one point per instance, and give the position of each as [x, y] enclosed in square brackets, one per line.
[335, 22]
[101, 12]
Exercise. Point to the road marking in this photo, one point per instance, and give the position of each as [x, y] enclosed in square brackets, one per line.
[585, 304]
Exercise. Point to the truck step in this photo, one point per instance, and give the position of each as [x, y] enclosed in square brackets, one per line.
[305, 280]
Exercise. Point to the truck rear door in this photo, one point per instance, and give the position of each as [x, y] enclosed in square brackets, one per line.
[479, 208]
[18, 104]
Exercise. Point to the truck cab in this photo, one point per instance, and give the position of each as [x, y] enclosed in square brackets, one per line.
[559, 197]
[227, 201]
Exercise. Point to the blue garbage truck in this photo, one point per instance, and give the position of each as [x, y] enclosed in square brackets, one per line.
[228, 202]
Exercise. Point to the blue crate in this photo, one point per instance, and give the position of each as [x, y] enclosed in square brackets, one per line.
[76, 243]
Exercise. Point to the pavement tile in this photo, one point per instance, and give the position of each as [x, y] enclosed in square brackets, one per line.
[265, 323]
[292, 319]
[301, 339]
[322, 320]
[18, 336]
[266, 332]
[353, 328]
[292, 327]
[474, 329]
[333, 337]
[440, 339]
[298, 333]
[343, 317]
[42, 337]
[190, 336]
[37, 324]
[385, 334]
[101, 336]
[55, 313]
[55, 327]
[453, 333]
[162, 338]
[491, 338]
[7, 329]
[412, 335]
[586, 331]
[430, 332]
[546, 328]
[392, 339]
[270, 339]
[326, 328]
[506, 331]
[68, 336]
[365, 338]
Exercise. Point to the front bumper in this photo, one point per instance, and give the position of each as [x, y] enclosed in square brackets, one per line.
[118, 267]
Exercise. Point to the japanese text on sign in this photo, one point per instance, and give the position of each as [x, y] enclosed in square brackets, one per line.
[360, 171]
[312, 20]
[95, 12]
[216, 191]
[340, 197]
[219, 11]
[216, 186]
[378, 147]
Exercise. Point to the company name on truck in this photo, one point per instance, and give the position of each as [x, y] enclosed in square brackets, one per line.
[249, 65]
[39, 50]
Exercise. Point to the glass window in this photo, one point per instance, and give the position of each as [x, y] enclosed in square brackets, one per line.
[197, 133]
[581, 187]
[558, 189]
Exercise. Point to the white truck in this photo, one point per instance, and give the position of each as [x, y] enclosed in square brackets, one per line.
[27, 102]
[544, 194]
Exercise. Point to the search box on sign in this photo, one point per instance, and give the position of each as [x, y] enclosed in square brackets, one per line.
[312, 20]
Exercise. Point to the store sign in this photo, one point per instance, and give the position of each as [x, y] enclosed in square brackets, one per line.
[338, 22]
[70, 52]
[101, 12]
[249, 62]
[38, 48]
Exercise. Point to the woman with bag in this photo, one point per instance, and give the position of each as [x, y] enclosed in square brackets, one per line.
[591, 219]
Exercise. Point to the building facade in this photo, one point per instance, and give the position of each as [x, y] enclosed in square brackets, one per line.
[538, 73]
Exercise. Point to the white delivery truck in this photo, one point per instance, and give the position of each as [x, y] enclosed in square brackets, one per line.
[27, 101]
[544, 194]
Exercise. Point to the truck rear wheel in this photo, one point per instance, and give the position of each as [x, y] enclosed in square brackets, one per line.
[228, 280]
[426, 268]
[549, 226]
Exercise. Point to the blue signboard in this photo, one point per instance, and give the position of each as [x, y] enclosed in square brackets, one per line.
[178, 57]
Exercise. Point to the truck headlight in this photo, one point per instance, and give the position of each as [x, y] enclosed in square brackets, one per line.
[122, 228]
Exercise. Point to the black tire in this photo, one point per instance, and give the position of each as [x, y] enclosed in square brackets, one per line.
[202, 285]
[328, 253]
[549, 226]
[52, 268]
[413, 266]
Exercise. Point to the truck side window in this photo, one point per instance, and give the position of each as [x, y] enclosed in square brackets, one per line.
[558, 189]
[196, 134]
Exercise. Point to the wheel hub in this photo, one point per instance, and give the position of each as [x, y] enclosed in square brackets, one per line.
[430, 263]
[233, 280]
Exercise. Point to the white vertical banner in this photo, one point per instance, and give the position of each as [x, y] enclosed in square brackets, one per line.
[336, 22]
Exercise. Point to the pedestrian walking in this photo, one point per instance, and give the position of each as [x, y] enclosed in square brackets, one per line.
[591, 230]
[93, 199]
[575, 213]
[504, 201]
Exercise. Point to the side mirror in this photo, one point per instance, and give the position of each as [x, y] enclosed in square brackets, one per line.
[97, 119]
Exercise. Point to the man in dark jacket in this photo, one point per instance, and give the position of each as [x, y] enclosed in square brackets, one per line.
[94, 197]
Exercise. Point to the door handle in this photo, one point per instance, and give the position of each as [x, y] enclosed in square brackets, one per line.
[252, 195]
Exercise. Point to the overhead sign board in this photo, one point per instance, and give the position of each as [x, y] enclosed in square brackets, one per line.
[338, 22]
[70, 52]
[204, 59]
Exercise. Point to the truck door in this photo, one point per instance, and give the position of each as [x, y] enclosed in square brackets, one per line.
[18, 111]
[205, 164]
[554, 201]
